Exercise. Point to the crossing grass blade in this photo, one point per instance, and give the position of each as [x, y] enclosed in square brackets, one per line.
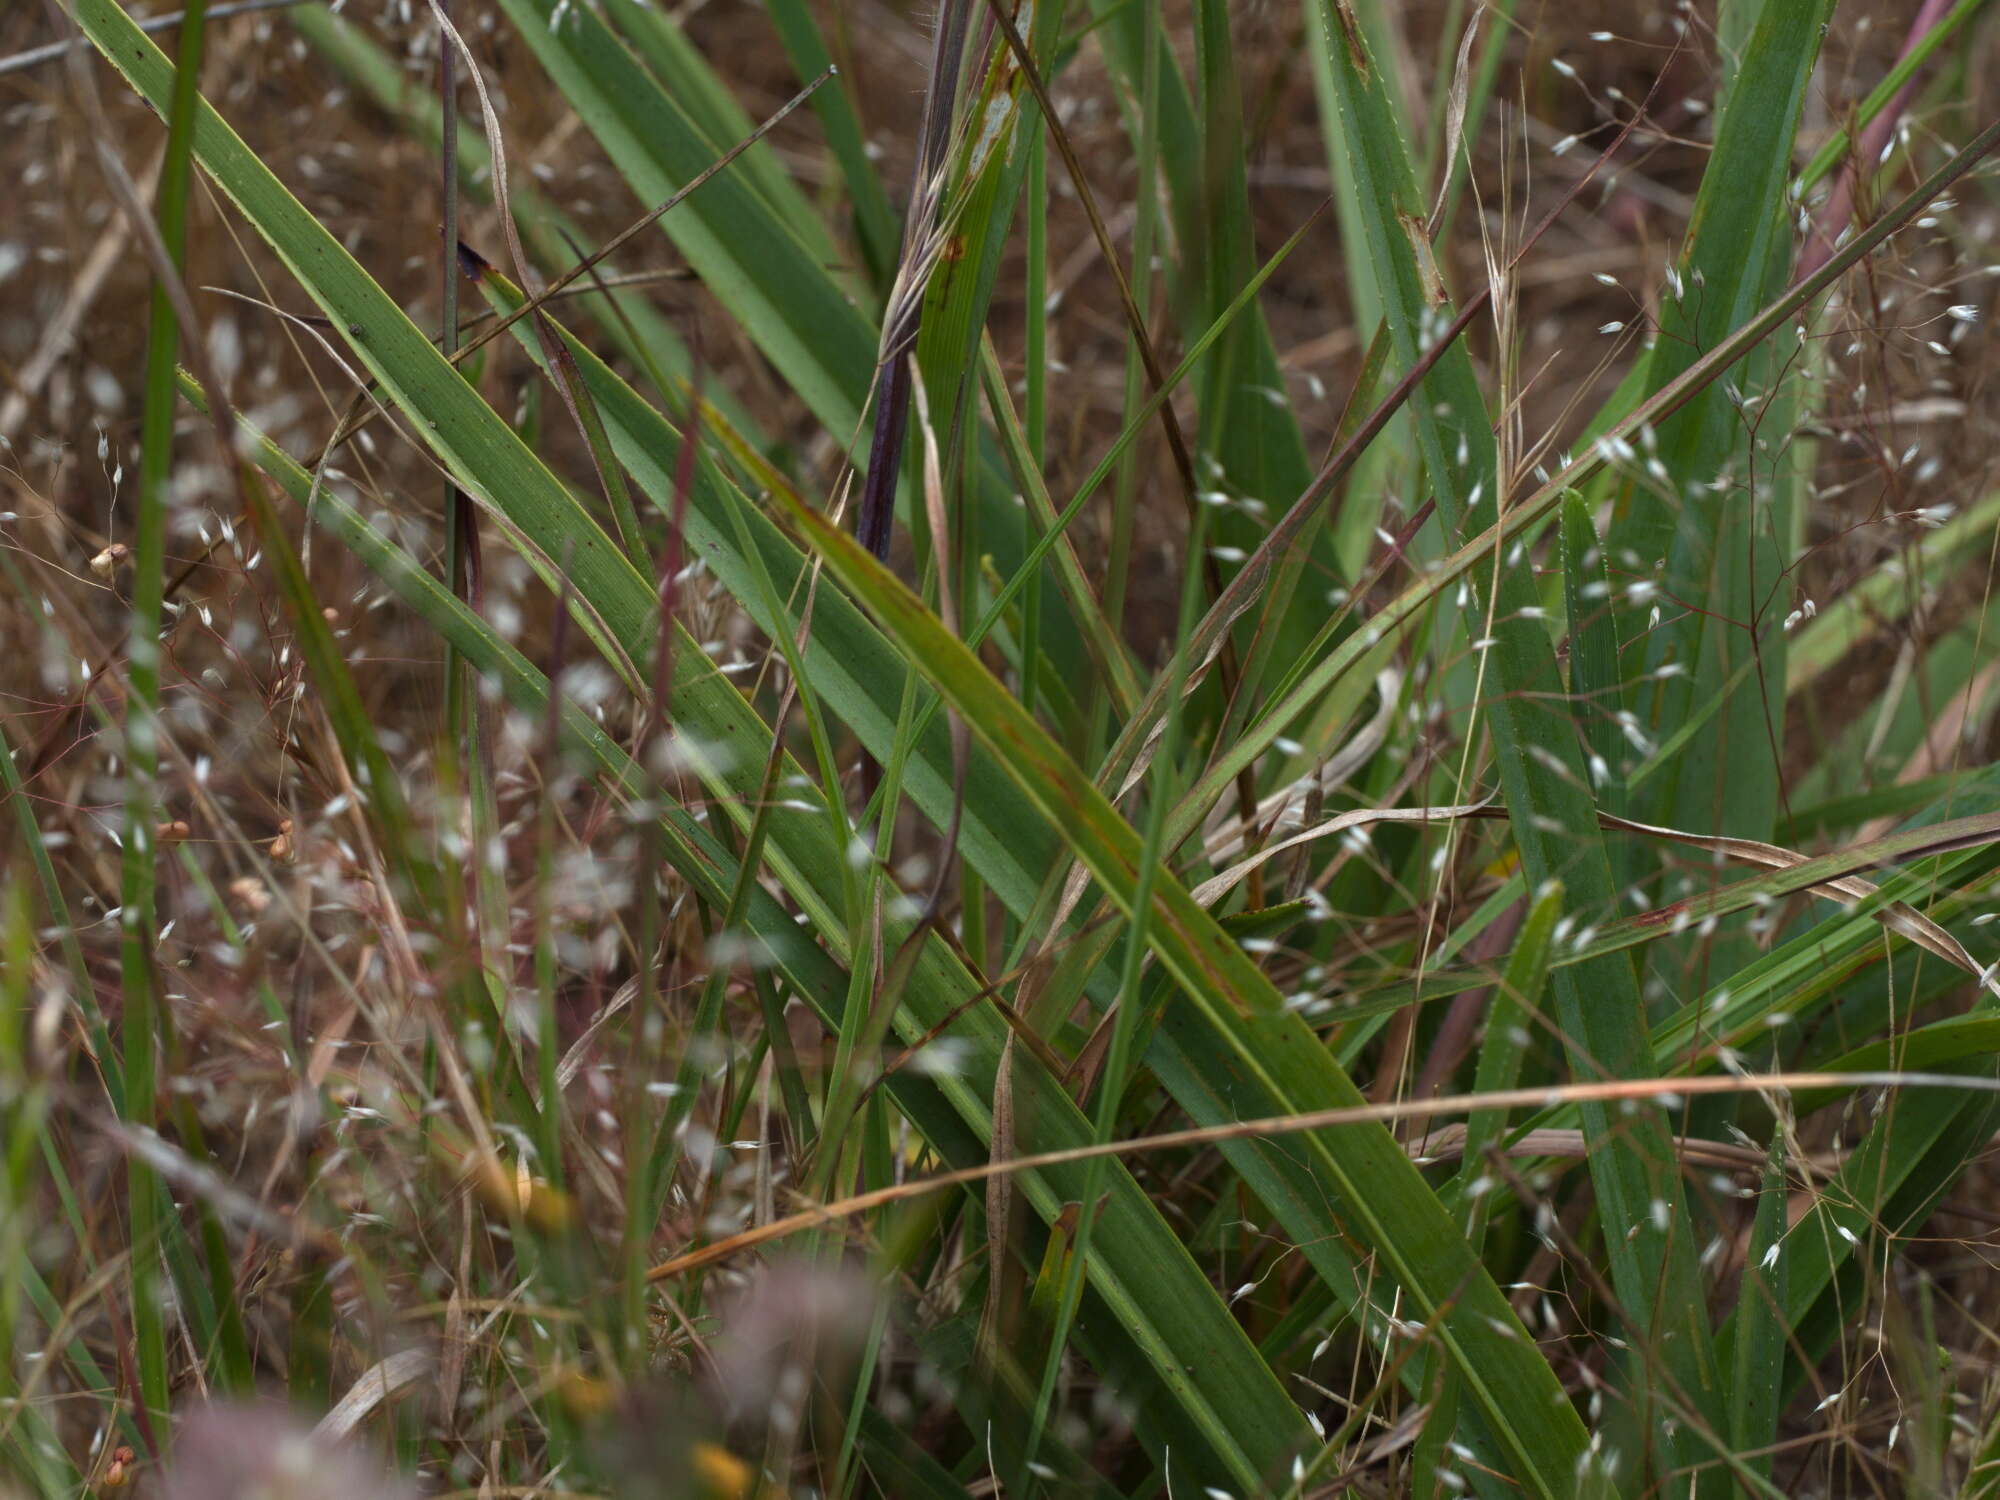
[1202, 1082]
[145, 1033]
[637, 328]
[1757, 1349]
[875, 223]
[1388, 1206]
[482, 453]
[771, 282]
[853, 670]
[1595, 692]
[1162, 1326]
[1880, 600]
[1542, 773]
[493, 464]
[661, 43]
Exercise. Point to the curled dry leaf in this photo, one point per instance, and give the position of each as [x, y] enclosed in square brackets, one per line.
[377, 1384]
[1898, 916]
[1212, 890]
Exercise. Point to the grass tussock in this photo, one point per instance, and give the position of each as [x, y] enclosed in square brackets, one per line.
[1125, 748]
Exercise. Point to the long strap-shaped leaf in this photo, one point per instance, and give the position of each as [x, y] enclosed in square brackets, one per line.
[772, 284]
[860, 675]
[639, 330]
[484, 455]
[1199, 1360]
[1541, 767]
[1728, 542]
[1255, 439]
[1382, 1200]
[1311, 678]
[1165, 1332]
[853, 670]
[1202, 1078]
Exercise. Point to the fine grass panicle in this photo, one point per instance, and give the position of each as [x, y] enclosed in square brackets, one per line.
[1008, 749]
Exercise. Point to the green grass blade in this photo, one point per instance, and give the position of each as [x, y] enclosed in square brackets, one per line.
[1516, 998]
[1107, 648]
[1594, 692]
[637, 328]
[1197, 146]
[770, 281]
[480, 450]
[1248, 421]
[1160, 1320]
[84, 987]
[848, 664]
[145, 1023]
[1541, 770]
[1841, 142]
[1726, 542]
[1757, 1349]
[684, 73]
[1378, 1190]
[1884, 597]
[875, 223]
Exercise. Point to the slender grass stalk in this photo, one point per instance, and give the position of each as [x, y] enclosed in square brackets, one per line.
[1119, 565]
[1035, 401]
[145, 1025]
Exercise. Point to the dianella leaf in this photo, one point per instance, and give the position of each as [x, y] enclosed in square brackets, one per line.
[1541, 765]
[1719, 529]
[1162, 1327]
[1381, 1198]
[1596, 699]
[747, 254]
